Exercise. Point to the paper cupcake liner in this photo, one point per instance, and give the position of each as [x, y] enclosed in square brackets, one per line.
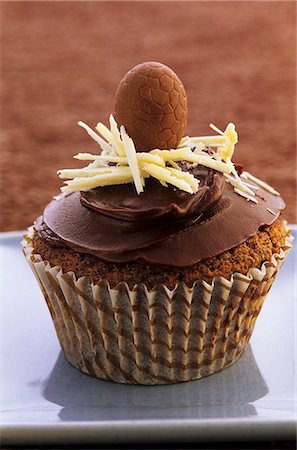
[159, 336]
[61, 388]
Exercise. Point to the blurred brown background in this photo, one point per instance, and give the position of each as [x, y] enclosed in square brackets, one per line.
[62, 61]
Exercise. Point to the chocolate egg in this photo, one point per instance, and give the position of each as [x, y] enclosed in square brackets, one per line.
[151, 103]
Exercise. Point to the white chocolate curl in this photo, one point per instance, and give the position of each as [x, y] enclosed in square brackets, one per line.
[119, 163]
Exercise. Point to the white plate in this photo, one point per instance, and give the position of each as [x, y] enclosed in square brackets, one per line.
[46, 400]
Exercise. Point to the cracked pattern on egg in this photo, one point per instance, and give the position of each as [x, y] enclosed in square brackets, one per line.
[151, 103]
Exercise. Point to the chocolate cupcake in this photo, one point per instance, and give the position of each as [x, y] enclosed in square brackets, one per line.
[156, 258]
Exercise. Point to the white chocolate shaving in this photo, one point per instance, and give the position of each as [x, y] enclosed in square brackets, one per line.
[199, 147]
[91, 157]
[141, 157]
[104, 131]
[247, 196]
[184, 142]
[252, 186]
[119, 163]
[85, 172]
[215, 128]
[261, 183]
[209, 140]
[233, 170]
[238, 184]
[167, 175]
[231, 139]
[174, 165]
[130, 151]
[116, 137]
[113, 177]
[207, 161]
[173, 155]
[103, 144]
[163, 183]
[272, 212]
[186, 176]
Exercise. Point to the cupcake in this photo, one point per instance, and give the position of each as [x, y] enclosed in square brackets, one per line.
[156, 257]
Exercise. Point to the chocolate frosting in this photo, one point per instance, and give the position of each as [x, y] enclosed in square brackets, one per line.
[156, 204]
[162, 226]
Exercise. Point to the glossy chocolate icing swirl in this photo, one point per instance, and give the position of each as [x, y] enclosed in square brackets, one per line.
[156, 204]
[162, 226]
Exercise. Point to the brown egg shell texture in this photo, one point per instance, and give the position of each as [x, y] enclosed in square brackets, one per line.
[151, 103]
